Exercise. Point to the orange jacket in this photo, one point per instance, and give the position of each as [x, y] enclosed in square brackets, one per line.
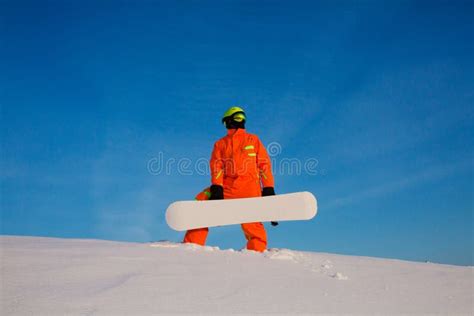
[240, 163]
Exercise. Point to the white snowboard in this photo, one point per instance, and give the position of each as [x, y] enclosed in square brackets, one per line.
[184, 215]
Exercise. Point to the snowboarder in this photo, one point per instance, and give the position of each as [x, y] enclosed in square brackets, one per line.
[240, 168]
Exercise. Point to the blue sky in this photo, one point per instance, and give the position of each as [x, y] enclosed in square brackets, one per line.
[380, 93]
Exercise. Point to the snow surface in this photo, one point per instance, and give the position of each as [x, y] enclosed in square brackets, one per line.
[46, 276]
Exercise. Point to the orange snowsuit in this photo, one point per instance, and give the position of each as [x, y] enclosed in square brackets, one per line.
[239, 163]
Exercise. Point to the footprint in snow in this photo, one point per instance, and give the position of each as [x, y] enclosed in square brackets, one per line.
[188, 246]
[283, 254]
[164, 244]
[339, 276]
[300, 258]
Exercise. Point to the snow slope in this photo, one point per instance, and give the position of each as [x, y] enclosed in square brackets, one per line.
[44, 276]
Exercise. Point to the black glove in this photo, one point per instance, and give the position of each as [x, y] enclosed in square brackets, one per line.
[269, 191]
[217, 192]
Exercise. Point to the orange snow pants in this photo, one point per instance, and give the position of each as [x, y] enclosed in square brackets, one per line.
[254, 232]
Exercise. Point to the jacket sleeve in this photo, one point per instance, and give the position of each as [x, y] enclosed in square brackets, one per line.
[203, 195]
[264, 166]
[217, 166]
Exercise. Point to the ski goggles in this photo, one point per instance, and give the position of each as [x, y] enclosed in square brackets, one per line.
[237, 116]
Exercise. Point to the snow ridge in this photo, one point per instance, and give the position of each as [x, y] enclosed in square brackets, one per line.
[47, 276]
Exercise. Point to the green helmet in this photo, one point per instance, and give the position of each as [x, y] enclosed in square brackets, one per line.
[236, 113]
